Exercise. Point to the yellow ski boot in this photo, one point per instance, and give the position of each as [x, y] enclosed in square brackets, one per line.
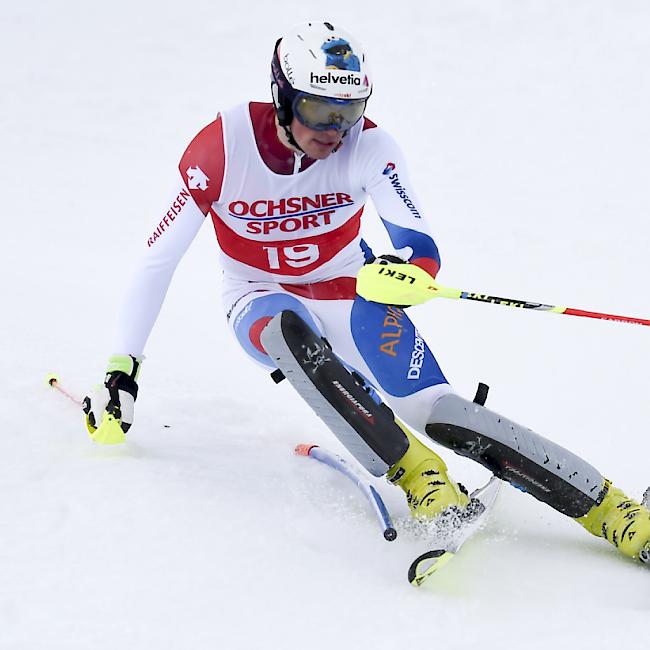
[622, 522]
[422, 474]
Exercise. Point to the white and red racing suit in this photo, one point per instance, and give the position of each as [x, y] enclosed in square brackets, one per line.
[289, 237]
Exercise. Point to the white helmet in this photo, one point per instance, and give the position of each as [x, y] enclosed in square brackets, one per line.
[319, 75]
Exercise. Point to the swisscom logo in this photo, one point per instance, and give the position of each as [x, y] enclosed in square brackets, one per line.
[400, 190]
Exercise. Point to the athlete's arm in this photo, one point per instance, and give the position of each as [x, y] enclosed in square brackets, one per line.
[109, 410]
[385, 177]
[168, 240]
[199, 183]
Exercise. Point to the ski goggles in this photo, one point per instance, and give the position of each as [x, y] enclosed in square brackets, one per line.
[324, 113]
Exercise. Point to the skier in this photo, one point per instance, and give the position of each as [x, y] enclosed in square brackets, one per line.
[284, 184]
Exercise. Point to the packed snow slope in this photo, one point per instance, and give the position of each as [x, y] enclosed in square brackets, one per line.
[526, 128]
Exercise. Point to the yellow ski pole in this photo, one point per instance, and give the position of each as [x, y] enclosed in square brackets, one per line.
[400, 284]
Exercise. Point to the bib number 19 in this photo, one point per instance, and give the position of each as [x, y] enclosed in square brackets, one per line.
[294, 256]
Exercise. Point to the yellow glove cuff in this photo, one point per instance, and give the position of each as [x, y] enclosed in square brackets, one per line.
[125, 363]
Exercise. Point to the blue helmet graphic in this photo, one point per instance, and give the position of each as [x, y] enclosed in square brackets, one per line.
[340, 55]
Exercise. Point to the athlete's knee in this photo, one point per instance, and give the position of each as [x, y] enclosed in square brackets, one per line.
[255, 331]
[251, 321]
[415, 408]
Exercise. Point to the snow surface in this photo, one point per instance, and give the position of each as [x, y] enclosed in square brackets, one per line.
[526, 127]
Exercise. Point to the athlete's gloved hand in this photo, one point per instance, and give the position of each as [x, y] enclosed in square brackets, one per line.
[386, 259]
[398, 283]
[109, 411]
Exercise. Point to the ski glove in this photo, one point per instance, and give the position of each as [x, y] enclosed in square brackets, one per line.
[109, 411]
[387, 259]
[396, 285]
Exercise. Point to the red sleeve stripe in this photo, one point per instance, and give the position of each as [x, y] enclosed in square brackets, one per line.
[203, 163]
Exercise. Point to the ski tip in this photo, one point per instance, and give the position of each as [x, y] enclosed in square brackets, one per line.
[51, 378]
[427, 564]
[390, 534]
[303, 449]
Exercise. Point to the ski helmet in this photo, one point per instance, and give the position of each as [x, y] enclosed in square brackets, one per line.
[319, 74]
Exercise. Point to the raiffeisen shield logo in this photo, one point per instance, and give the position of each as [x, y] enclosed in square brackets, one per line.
[393, 177]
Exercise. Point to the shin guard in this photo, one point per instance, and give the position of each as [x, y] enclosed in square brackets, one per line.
[366, 428]
[518, 455]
